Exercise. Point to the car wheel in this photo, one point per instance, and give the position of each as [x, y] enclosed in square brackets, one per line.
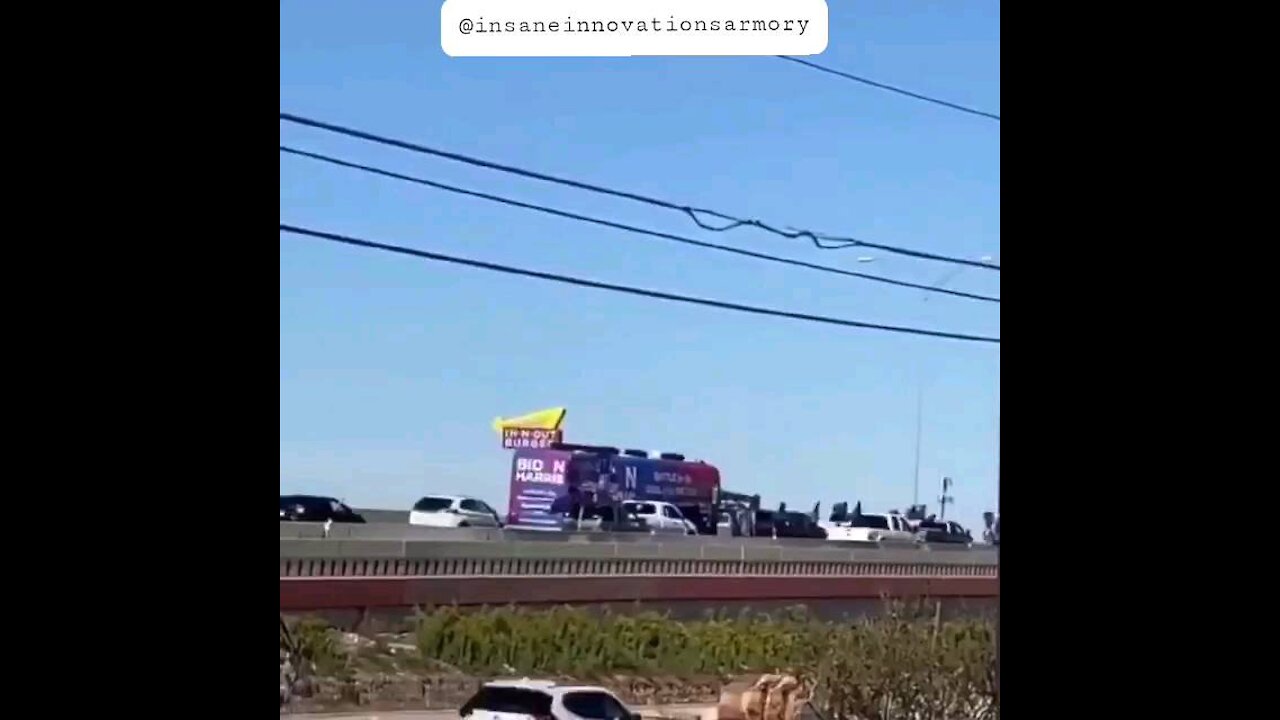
[463, 524]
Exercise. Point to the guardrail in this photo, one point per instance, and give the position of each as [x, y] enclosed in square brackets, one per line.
[405, 532]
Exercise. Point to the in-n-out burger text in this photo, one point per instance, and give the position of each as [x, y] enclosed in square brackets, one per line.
[534, 470]
[513, 438]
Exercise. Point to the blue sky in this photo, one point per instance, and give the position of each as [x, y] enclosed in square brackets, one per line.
[391, 369]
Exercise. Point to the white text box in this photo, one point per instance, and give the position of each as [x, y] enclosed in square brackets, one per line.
[623, 28]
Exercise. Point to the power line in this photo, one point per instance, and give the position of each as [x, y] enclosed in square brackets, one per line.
[629, 228]
[891, 88]
[732, 222]
[655, 294]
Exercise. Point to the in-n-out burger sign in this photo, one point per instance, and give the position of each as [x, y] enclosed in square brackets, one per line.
[513, 438]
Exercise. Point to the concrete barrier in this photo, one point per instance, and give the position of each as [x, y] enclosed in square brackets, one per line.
[386, 531]
[306, 558]
[397, 517]
[395, 567]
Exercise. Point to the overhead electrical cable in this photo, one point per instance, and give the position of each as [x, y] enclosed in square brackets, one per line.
[695, 214]
[891, 88]
[629, 228]
[627, 289]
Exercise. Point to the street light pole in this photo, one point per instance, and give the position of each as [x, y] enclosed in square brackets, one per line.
[915, 491]
[939, 283]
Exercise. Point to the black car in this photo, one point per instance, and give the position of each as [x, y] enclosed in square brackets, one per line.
[763, 523]
[797, 525]
[785, 524]
[315, 508]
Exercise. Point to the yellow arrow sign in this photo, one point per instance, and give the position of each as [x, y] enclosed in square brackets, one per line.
[549, 419]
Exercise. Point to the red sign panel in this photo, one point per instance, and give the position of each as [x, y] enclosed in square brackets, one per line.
[513, 438]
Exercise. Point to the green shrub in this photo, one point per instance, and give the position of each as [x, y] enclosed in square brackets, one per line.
[316, 646]
[906, 663]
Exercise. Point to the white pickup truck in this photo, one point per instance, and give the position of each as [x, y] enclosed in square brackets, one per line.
[870, 527]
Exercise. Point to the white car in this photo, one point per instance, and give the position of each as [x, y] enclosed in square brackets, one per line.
[453, 511]
[871, 528]
[659, 517]
[544, 700]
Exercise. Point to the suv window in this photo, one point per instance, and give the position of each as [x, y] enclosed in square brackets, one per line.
[520, 701]
[471, 506]
[643, 508]
[671, 512]
[595, 706]
[878, 522]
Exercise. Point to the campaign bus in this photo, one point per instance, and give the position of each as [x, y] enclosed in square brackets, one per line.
[552, 488]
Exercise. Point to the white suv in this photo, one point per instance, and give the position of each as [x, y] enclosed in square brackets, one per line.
[659, 517]
[453, 511]
[544, 700]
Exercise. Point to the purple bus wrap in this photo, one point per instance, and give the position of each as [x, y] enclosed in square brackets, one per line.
[547, 484]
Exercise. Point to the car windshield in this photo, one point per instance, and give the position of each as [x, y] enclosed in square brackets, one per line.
[432, 504]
